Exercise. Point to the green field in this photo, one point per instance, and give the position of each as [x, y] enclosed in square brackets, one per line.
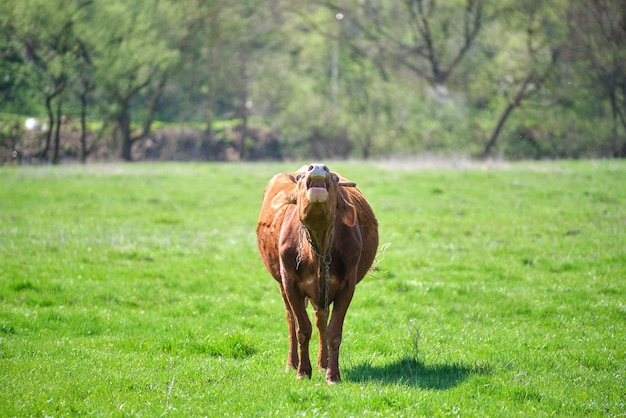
[137, 290]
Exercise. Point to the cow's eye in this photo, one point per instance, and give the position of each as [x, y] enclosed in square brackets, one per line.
[326, 169]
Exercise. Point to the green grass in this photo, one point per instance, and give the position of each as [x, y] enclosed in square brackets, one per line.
[136, 290]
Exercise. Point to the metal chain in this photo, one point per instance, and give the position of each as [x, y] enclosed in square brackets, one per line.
[326, 259]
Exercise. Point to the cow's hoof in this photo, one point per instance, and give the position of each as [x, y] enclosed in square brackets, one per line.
[331, 380]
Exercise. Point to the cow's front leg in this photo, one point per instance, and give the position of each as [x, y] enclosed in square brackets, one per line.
[303, 329]
[303, 332]
[321, 317]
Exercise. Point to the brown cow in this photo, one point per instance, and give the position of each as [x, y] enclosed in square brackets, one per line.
[318, 237]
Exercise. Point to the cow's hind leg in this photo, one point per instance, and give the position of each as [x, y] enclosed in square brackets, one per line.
[335, 331]
[292, 359]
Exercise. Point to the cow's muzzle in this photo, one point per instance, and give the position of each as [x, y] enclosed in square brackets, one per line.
[317, 187]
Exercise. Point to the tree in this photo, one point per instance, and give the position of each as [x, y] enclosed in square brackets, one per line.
[332, 77]
[132, 54]
[246, 34]
[429, 38]
[45, 33]
[416, 47]
[534, 61]
[598, 30]
[84, 87]
[220, 52]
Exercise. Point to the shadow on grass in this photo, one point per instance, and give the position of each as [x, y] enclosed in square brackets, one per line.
[411, 372]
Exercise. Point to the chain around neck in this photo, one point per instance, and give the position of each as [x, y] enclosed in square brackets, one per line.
[324, 258]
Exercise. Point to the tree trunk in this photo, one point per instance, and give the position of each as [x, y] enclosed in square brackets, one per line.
[127, 146]
[245, 105]
[496, 132]
[123, 121]
[57, 134]
[83, 128]
[244, 133]
[44, 153]
[367, 146]
[519, 96]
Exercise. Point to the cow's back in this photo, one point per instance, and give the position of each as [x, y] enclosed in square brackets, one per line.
[270, 222]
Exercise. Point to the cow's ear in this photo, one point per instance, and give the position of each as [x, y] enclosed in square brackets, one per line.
[347, 211]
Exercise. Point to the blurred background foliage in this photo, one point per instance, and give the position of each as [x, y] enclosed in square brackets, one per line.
[277, 79]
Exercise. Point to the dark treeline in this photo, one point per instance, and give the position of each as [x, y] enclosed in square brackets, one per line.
[273, 79]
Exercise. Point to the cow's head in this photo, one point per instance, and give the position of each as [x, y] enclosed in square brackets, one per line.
[318, 195]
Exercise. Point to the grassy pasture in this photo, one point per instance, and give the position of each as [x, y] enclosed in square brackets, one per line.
[136, 290]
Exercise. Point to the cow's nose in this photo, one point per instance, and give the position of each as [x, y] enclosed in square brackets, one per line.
[318, 170]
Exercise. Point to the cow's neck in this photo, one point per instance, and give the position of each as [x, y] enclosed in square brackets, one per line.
[320, 239]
